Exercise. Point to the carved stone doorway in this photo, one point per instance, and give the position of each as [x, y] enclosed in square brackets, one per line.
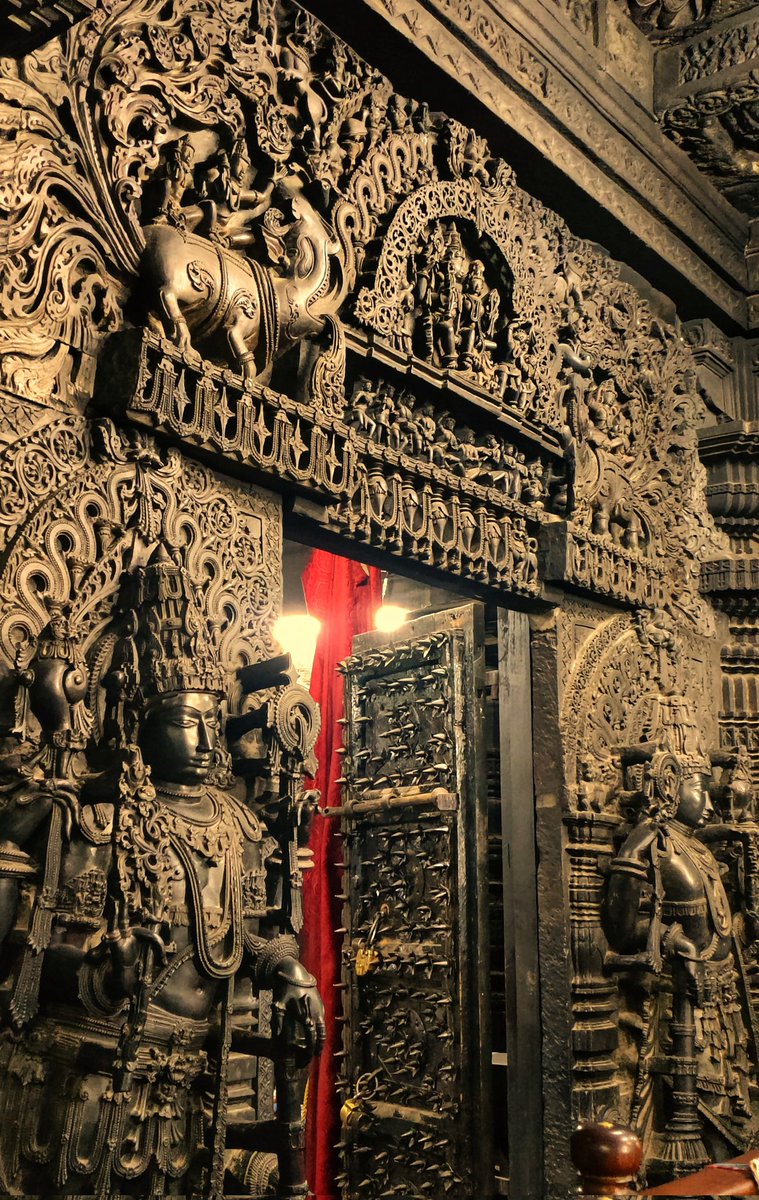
[440, 1079]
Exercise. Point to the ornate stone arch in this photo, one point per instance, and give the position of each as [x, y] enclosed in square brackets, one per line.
[104, 489]
[624, 662]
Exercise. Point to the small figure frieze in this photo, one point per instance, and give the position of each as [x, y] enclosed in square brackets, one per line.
[393, 417]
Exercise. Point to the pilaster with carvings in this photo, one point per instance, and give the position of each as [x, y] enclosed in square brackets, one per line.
[731, 455]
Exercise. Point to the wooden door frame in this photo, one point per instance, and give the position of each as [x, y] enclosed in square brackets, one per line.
[520, 866]
[520, 908]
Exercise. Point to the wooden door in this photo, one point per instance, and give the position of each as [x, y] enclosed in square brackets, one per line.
[417, 1066]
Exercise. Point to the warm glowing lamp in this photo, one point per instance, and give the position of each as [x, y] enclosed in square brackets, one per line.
[297, 634]
[390, 617]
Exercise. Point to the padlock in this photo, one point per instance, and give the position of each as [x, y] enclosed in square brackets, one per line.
[367, 958]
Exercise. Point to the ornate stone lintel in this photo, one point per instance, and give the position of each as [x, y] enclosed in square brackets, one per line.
[409, 507]
[592, 563]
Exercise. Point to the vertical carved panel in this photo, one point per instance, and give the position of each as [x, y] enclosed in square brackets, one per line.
[594, 1008]
[415, 952]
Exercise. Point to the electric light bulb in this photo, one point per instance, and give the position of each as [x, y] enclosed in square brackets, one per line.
[390, 617]
[297, 634]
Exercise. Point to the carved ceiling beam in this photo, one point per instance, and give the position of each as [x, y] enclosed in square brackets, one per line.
[568, 96]
[26, 24]
[707, 94]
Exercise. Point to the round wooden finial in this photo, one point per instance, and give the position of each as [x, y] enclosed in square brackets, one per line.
[606, 1156]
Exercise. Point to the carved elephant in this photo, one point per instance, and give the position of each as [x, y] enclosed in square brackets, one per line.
[606, 488]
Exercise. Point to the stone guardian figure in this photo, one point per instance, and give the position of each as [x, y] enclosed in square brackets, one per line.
[163, 928]
[667, 917]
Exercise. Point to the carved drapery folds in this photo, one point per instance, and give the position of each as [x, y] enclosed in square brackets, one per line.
[245, 186]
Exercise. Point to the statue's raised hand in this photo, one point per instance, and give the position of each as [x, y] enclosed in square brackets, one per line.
[123, 949]
[297, 1017]
[123, 944]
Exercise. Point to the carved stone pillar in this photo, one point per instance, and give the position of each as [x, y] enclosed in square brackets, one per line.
[594, 1008]
[731, 455]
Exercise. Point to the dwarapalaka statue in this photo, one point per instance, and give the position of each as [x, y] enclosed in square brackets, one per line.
[146, 905]
[667, 917]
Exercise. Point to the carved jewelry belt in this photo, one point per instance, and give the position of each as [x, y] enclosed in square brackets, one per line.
[684, 908]
[179, 914]
[717, 972]
[90, 1044]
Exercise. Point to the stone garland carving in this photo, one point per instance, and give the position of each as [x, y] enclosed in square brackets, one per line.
[194, 140]
[716, 127]
[595, 565]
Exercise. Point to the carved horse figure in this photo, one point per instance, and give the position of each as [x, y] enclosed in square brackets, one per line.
[197, 288]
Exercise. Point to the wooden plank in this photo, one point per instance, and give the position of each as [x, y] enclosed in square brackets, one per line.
[523, 1035]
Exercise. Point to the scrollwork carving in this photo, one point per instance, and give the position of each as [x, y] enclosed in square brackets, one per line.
[716, 126]
[196, 140]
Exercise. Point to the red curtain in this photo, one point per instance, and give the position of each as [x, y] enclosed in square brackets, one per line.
[344, 595]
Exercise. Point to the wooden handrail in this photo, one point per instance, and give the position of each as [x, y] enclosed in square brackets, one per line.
[607, 1158]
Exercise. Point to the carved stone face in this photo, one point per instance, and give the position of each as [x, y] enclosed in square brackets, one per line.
[179, 736]
[695, 806]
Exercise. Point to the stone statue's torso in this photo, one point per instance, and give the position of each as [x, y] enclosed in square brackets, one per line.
[212, 890]
[693, 893]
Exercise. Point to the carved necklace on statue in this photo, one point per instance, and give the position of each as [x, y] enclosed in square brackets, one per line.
[708, 867]
[153, 835]
[211, 831]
